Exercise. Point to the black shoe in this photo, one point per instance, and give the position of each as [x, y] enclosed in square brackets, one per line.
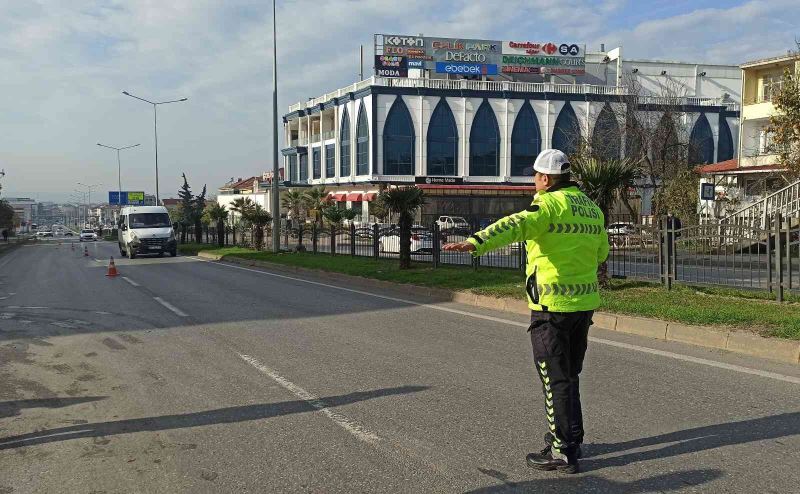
[545, 461]
[546, 450]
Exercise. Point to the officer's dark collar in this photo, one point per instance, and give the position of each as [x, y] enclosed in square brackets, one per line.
[563, 185]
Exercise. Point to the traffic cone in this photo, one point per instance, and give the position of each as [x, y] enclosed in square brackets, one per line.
[112, 268]
[72, 246]
[85, 251]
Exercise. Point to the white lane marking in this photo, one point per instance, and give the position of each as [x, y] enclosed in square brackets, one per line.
[130, 281]
[677, 356]
[170, 307]
[30, 307]
[345, 423]
[102, 312]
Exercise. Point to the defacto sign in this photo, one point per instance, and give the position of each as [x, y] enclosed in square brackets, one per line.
[391, 66]
[475, 51]
[465, 68]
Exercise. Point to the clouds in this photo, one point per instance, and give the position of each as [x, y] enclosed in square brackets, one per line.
[64, 65]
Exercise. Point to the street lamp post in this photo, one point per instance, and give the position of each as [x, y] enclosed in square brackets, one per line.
[276, 211]
[89, 198]
[119, 167]
[155, 128]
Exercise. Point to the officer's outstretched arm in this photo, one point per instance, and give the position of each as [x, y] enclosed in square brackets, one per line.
[518, 227]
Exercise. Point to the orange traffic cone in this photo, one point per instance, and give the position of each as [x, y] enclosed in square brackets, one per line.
[85, 251]
[112, 268]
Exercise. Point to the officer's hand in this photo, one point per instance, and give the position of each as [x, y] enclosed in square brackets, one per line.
[459, 247]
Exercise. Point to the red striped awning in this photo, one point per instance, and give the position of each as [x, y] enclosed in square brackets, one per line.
[354, 196]
[370, 196]
[338, 197]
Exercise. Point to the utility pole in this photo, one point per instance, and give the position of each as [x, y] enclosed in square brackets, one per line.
[276, 205]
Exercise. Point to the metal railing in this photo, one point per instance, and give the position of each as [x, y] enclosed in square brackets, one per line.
[785, 201]
[511, 86]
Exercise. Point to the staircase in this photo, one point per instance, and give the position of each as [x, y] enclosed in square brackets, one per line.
[785, 201]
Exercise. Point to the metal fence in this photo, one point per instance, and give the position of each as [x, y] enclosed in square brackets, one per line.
[710, 254]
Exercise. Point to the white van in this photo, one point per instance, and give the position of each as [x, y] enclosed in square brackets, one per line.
[145, 230]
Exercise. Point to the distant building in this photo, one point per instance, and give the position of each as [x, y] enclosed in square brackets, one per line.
[24, 211]
[756, 171]
[257, 188]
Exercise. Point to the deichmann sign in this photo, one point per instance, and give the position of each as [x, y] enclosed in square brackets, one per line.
[465, 68]
[391, 66]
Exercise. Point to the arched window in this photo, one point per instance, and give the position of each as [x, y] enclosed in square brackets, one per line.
[606, 137]
[442, 141]
[725, 142]
[665, 145]
[362, 142]
[484, 143]
[567, 131]
[526, 142]
[344, 146]
[701, 142]
[398, 140]
[634, 132]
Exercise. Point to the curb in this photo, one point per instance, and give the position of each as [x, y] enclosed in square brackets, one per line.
[742, 342]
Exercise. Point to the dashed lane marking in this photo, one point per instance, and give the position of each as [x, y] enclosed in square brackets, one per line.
[130, 281]
[171, 307]
[345, 423]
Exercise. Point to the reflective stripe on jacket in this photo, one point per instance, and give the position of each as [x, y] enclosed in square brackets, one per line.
[565, 239]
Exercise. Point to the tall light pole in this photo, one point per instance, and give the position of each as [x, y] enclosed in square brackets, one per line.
[276, 205]
[89, 196]
[119, 167]
[155, 128]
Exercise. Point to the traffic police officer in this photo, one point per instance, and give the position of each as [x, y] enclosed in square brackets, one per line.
[565, 240]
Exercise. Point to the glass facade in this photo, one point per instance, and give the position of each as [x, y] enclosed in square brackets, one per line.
[362, 142]
[303, 167]
[701, 142]
[398, 141]
[606, 136]
[442, 141]
[526, 142]
[330, 161]
[293, 176]
[567, 131]
[316, 163]
[484, 143]
[344, 146]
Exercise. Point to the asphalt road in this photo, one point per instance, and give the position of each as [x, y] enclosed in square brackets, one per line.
[191, 376]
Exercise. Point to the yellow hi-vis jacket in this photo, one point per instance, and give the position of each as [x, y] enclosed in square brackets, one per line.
[565, 239]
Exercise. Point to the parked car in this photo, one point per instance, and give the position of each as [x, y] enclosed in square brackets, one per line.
[452, 223]
[621, 229]
[88, 235]
[44, 233]
[421, 241]
[68, 233]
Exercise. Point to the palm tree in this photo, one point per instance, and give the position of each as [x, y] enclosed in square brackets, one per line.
[604, 182]
[293, 202]
[315, 200]
[404, 201]
[240, 206]
[259, 218]
[217, 214]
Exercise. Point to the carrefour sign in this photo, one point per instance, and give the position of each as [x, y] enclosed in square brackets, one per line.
[465, 68]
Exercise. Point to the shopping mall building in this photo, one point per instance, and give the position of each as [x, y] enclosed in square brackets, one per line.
[468, 132]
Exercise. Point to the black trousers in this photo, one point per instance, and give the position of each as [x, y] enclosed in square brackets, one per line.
[559, 341]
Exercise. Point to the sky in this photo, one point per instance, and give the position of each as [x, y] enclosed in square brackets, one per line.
[64, 66]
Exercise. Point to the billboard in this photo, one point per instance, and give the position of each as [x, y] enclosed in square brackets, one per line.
[391, 66]
[128, 198]
[478, 56]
